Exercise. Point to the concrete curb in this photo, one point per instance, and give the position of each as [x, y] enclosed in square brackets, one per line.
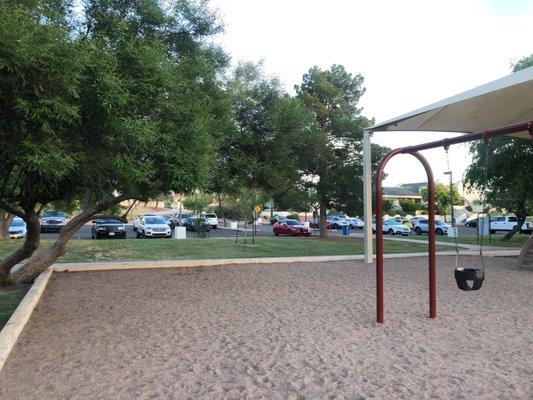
[117, 265]
[11, 331]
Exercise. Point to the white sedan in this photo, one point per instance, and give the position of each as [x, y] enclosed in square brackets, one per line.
[17, 229]
[355, 223]
[392, 227]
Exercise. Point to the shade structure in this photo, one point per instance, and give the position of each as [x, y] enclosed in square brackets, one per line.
[505, 101]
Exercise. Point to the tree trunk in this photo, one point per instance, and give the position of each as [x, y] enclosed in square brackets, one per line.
[31, 243]
[323, 221]
[5, 220]
[47, 257]
[124, 217]
[521, 214]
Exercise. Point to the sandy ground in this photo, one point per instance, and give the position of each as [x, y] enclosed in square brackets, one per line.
[276, 332]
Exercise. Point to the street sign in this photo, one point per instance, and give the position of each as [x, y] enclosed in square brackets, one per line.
[257, 208]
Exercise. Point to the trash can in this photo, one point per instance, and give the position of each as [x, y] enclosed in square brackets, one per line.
[345, 230]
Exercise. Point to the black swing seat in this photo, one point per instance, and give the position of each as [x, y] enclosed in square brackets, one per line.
[463, 275]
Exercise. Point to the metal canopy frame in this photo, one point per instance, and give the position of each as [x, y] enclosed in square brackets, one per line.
[414, 151]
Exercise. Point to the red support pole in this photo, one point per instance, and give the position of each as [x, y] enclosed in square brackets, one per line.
[413, 150]
[379, 235]
[431, 234]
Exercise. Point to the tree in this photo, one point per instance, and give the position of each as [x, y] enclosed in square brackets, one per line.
[410, 206]
[333, 146]
[503, 172]
[504, 176]
[198, 202]
[443, 200]
[123, 109]
[523, 63]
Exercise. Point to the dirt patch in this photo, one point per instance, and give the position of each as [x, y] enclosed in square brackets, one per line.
[276, 331]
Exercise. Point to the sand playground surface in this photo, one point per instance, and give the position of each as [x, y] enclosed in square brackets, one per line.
[275, 331]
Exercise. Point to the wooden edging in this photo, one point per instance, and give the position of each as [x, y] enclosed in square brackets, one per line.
[12, 330]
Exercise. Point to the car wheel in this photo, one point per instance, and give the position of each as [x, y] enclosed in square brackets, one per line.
[492, 231]
[391, 232]
[134, 229]
[418, 231]
[215, 226]
[439, 231]
[276, 233]
[360, 227]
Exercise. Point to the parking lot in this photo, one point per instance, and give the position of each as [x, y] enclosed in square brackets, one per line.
[225, 232]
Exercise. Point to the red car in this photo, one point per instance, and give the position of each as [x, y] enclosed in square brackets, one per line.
[316, 224]
[291, 227]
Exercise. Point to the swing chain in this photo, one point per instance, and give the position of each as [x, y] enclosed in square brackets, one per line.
[457, 253]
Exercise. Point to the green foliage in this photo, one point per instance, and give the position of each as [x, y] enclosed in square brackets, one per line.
[443, 200]
[331, 151]
[129, 106]
[296, 199]
[198, 202]
[410, 206]
[256, 152]
[523, 63]
[388, 206]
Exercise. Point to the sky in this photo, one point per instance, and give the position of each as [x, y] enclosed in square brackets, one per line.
[411, 53]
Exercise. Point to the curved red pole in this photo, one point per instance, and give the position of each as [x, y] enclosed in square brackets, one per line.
[379, 234]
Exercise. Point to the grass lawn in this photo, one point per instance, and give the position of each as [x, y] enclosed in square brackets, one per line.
[168, 249]
[10, 297]
[516, 241]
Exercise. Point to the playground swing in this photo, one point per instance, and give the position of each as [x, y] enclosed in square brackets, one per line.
[473, 274]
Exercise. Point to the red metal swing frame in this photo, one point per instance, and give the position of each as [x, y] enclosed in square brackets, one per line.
[414, 151]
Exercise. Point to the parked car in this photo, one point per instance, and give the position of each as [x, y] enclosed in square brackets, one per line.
[315, 223]
[17, 229]
[415, 220]
[507, 223]
[404, 221]
[291, 227]
[471, 223]
[337, 222]
[211, 219]
[153, 226]
[392, 227]
[137, 222]
[53, 221]
[277, 218]
[355, 223]
[108, 228]
[194, 224]
[181, 218]
[422, 226]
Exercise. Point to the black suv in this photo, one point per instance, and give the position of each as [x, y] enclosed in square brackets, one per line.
[108, 228]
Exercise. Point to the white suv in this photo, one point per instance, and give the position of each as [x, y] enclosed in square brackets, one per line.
[137, 222]
[153, 226]
[211, 219]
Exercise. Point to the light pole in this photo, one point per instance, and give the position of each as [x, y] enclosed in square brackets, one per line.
[451, 195]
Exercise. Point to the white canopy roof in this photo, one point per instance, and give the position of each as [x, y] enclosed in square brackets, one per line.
[506, 101]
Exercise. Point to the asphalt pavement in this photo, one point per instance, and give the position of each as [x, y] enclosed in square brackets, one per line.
[225, 232]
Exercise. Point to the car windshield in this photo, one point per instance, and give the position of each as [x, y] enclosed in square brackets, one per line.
[292, 222]
[155, 220]
[18, 222]
[210, 215]
[108, 221]
[57, 214]
[392, 222]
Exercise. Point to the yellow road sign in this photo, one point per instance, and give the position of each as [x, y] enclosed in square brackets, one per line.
[257, 208]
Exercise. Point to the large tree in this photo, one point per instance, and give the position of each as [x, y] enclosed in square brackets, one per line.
[333, 149]
[256, 156]
[120, 103]
[503, 172]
